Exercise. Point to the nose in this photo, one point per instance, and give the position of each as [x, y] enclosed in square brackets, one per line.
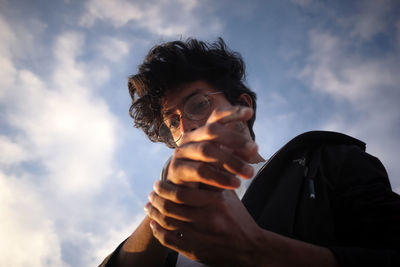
[188, 125]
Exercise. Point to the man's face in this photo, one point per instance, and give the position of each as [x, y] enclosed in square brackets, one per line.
[175, 110]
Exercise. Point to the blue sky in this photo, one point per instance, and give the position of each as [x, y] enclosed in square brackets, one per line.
[75, 174]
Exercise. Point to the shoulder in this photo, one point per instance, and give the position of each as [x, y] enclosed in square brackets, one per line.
[350, 166]
[340, 157]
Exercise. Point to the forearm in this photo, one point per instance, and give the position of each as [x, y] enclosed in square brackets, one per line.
[277, 250]
[141, 248]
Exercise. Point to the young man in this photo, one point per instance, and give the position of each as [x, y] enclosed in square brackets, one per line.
[319, 201]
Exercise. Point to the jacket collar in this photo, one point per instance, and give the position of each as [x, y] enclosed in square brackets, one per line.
[273, 196]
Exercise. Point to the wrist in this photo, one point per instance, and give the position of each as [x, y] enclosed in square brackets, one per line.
[276, 250]
[259, 250]
[269, 249]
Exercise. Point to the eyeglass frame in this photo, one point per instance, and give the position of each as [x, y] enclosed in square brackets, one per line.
[171, 140]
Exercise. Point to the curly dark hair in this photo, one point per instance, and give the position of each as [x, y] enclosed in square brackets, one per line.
[171, 64]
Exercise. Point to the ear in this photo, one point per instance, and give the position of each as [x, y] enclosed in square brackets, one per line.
[245, 100]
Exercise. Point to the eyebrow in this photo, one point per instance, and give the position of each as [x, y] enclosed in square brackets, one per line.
[171, 110]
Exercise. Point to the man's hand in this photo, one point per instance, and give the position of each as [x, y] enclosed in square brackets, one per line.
[208, 226]
[216, 152]
[214, 155]
[214, 227]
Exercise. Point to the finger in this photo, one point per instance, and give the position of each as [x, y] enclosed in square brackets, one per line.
[218, 133]
[195, 171]
[165, 221]
[176, 240]
[170, 209]
[215, 153]
[189, 196]
[236, 113]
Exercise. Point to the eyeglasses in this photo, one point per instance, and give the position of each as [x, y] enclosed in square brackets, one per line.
[196, 108]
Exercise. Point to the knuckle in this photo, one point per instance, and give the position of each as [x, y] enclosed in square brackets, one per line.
[174, 169]
[167, 239]
[179, 195]
[173, 164]
[165, 207]
[153, 213]
[211, 129]
[168, 223]
[238, 165]
[206, 149]
[173, 178]
[162, 220]
[161, 206]
[162, 237]
[203, 171]
[171, 168]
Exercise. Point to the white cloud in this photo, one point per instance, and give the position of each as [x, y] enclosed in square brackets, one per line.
[110, 240]
[11, 152]
[370, 19]
[333, 70]
[363, 19]
[303, 3]
[118, 12]
[28, 235]
[113, 49]
[69, 129]
[7, 70]
[167, 18]
[365, 86]
[67, 135]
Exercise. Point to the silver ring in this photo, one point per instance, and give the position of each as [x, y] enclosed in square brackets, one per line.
[179, 234]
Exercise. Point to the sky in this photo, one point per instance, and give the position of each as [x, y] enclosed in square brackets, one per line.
[75, 173]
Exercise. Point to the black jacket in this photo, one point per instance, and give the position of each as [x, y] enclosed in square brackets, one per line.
[323, 188]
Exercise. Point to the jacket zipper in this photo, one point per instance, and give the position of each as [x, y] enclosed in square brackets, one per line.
[310, 181]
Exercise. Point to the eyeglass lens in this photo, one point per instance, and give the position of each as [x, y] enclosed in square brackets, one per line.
[196, 108]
